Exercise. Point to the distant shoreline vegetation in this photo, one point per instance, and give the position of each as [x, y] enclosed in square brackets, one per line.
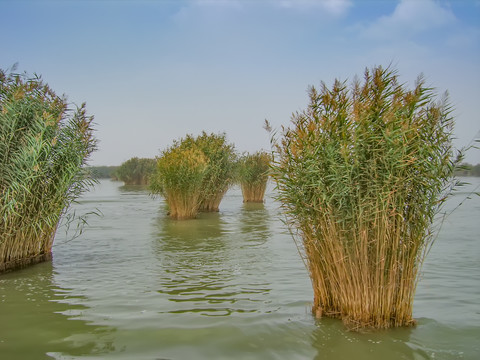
[110, 171]
[467, 169]
[135, 171]
[103, 172]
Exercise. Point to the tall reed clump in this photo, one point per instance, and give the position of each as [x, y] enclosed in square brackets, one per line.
[361, 174]
[252, 174]
[136, 171]
[220, 172]
[43, 150]
[179, 177]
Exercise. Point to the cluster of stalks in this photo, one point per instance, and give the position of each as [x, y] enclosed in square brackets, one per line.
[194, 174]
[179, 178]
[361, 174]
[43, 149]
[220, 174]
[136, 171]
[252, 174]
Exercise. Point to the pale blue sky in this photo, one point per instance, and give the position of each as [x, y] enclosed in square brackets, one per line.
[153, 71]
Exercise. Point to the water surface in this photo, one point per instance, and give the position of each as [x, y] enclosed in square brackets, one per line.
[137, 285]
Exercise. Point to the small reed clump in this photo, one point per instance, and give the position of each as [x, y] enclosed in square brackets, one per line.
[252, 174]
[220, 172]
[179, 177]
[136, 171]
[43, 150]
[361, 174]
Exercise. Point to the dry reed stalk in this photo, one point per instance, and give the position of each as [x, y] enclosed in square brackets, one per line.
[254, 193]
[212, 203]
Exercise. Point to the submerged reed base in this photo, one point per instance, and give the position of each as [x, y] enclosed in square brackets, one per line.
[212, 203]
[18, 264]
[254, 192]
[366, 280]
[17, 252]
[182, 206]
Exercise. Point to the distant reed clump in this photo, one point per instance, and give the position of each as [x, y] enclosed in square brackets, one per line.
[179, 177]
[44, 146]
[361, 174]
[220, 172]
[136, 171]
[252, 174]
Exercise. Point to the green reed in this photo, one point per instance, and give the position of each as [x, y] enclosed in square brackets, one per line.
[179, 177]
[220, 172]
[361, 174]
[44, 146]
[136, 171]
[252, 174]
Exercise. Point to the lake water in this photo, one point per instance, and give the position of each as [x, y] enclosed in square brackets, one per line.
[229, 285]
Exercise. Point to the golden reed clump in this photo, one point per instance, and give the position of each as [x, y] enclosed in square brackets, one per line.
[194, 174]
[179, 178]
[361, 174]
[252, 174]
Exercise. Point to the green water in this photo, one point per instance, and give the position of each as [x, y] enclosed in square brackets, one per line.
[230, 285]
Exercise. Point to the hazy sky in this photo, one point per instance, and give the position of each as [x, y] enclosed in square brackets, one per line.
[153, 71]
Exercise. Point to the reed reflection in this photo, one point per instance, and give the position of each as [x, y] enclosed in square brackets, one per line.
[202, 268]
[34, 308]
[254, 223]
[133, 189]
[332, 341]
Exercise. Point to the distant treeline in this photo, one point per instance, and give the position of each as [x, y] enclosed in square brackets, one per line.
[468, 170]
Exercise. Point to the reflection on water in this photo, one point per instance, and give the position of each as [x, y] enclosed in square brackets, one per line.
[333, 342]
[254, 222]
[37, 311]
[207, 268]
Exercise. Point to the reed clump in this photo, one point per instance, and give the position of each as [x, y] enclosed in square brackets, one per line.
[136, 171]
[44, 146]
[220, 172]
[361, 173]
[179, 177]
[252, 174]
